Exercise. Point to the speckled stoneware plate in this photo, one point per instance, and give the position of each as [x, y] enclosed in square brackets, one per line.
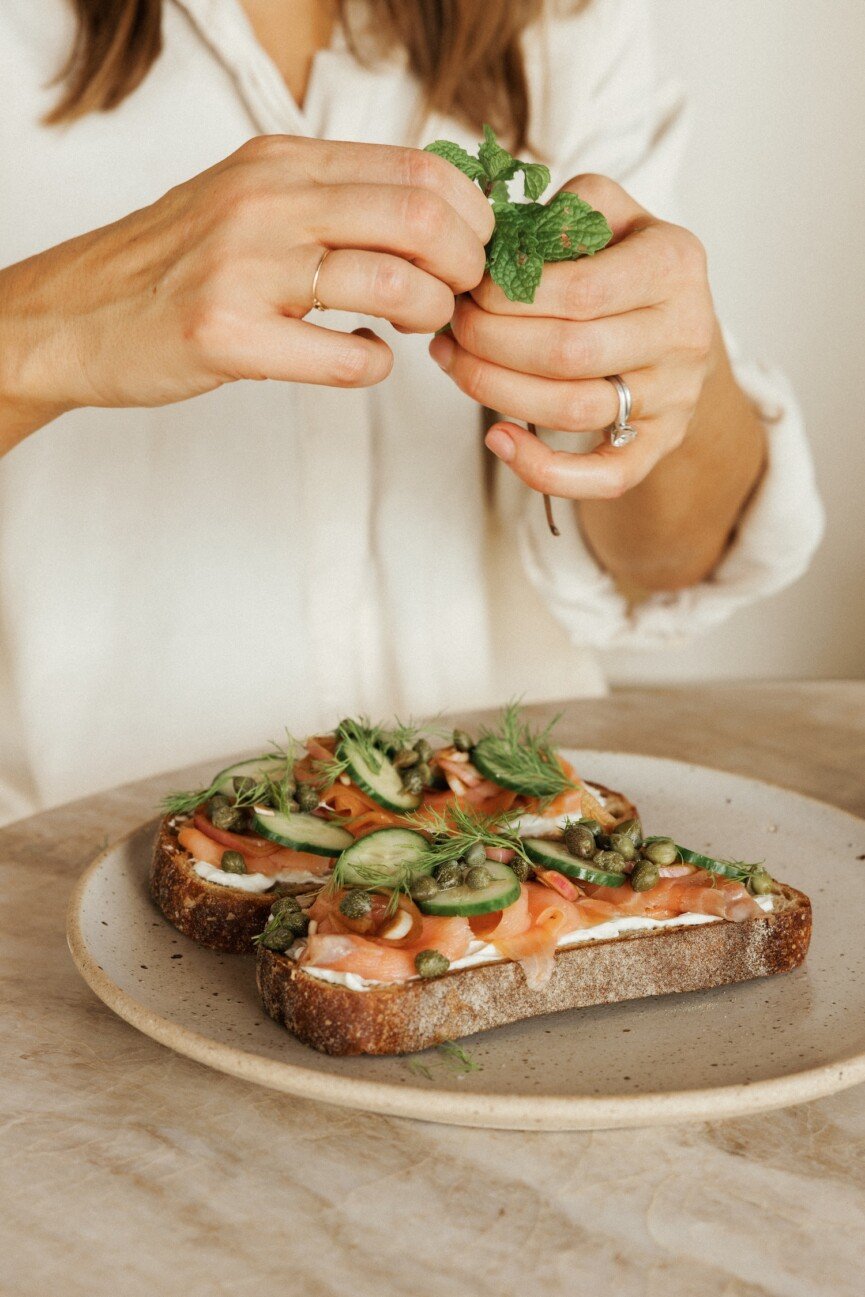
[721, 1053]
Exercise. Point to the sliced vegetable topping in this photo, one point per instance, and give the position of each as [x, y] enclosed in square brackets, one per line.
[550, 854]
[521, 759]
[386, 858]
[301, 831]
[376, 774]
[496, 891]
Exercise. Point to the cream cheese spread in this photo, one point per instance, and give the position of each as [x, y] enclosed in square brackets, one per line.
[250, 882]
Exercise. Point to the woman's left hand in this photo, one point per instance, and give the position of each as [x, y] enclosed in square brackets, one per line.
[641, 308]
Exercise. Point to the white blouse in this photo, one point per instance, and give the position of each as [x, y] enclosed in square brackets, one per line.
[183, 582]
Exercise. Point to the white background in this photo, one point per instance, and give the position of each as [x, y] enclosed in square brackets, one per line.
[774, 184]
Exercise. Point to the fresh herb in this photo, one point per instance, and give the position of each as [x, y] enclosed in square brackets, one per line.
[450, 1054]
[372, 741]
[275, 789]
[526, 234]
[522, 759]
[456, 831]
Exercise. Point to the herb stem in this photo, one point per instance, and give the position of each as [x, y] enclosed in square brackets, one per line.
[548, 504]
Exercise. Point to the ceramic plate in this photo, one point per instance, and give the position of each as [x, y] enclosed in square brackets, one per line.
[721, 1053]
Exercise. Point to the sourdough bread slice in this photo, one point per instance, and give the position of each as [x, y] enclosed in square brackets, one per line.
[223, 918]
[409, 1016]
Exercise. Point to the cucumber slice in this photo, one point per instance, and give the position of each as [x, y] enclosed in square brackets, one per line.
[727, 868]
[383, 858]
[501, 892]
[383, 785]
[553, 855]
[256, 768]
[300, 831]
[484, 759]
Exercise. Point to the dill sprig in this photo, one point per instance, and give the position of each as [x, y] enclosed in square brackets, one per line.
[375, 742]
[524, 757]
[275, 789]
[455, 831]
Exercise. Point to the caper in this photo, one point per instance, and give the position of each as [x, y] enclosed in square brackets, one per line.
[476, 855]
[431, 963]
[424, 749]
[243, 785]
[634, 830]
[232, 862]
[296, 922]
[521, 868]
[224, 817]
[449, 875]
[478, 878]
[761, 883]
[425, 772]
[405, 758]
[243, 819]
[624, 844]
[412, 782]
[592, 825]
[424, 888]
[219, 802]
[307, 797]
[610, 861]
[462, 741]
[356, 904]
[579, 841]
[645, 876]
[285, 905]
[661, 851]
[602, 842]
[277, 936]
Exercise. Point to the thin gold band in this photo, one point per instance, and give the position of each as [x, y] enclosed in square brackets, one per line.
[317, 304]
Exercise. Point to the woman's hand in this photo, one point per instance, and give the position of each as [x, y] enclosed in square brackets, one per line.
[641, 308]
[211, 283]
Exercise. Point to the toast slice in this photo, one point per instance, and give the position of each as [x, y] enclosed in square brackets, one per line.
[408, 1016]
[222, 918]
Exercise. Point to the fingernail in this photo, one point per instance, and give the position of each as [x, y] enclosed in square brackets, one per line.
[501, 444]
[442, 351]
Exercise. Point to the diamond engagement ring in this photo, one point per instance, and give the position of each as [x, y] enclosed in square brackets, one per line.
[621, 432]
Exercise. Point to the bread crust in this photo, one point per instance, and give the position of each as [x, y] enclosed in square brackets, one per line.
[410, 1016]
[221, 918]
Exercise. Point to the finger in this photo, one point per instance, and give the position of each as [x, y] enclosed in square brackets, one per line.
[338, 162]
[375, 283]
[293, 351]
[563, 349]
[413, 223]
[622, 211]
[602, 474]
[580, 406]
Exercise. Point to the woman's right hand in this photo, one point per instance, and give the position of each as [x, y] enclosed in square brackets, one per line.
[210, 283]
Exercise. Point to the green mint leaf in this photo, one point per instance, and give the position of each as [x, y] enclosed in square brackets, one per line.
[468, 165]
[499, 192]
[536, 177]
[567, 228]
[496, 161]
[514, 260]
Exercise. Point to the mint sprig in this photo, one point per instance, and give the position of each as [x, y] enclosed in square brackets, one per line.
[526, 234]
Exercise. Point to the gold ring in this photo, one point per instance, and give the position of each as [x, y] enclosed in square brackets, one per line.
[317, 304]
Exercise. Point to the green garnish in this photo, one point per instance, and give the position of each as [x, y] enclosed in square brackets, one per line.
[527, 234]
[276, 789]
[450, 1053]
[521, 759]
[455, 833]
[374, 742]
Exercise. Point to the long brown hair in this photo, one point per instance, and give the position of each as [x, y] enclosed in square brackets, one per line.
[466, 54]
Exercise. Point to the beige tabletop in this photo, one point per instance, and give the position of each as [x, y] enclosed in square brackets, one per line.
[126, 1169]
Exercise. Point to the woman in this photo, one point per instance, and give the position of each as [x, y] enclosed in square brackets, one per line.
[181, 576]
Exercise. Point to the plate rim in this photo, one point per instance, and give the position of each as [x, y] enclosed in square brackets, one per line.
[496, 1110]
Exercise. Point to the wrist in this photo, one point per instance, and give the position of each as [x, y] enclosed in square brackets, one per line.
[29, 395]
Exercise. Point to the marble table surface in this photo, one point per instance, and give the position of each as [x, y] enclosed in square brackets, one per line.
[126, 1169]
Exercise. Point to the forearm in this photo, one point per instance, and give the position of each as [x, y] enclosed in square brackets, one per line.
[671, 530]
[26, 403]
